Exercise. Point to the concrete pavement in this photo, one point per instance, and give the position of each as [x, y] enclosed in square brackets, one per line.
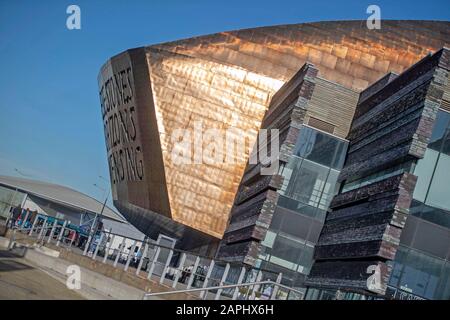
[19, 280]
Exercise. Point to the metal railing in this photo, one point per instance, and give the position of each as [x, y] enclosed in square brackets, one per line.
[252, 292]
[177, 269]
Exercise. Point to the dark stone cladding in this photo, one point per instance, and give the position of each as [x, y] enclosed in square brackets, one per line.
[391, 127]
[257, 196]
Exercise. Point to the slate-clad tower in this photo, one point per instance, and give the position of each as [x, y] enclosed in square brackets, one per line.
[390, 133]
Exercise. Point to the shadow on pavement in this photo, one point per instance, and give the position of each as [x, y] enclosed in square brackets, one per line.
[11, 265]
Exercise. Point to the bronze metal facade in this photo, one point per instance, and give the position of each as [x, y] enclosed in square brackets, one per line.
[226, 80]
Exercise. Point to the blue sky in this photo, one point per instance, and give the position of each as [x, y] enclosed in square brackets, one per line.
[50, 122]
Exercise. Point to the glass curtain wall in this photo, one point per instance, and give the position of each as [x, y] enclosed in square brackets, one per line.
[416, 272]
[419, 274]
[311, 174]
[432, 192]
[310, 182]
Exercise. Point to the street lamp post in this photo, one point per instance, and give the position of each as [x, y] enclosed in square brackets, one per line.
[106, 199]
[94, 224]
[104, 202]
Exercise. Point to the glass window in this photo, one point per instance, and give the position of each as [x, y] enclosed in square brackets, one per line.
[432, 214]
[329, 190]
[292, 254]
[277, 219]
[269, 239]
[284, 248]
[443, 290]
[424, 172]
[440, 130]
[320, 147]
[432, 187]
[378, 176]
[307, 182]
[306, 259]
[294, 225]
[308, 186]
[419, 274]
[310, 176]
[310, 181]
[439, 193]
[299, 207]
[446, 144]
[292, 166]
[341, 153]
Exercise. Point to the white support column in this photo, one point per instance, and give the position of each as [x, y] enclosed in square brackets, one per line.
[208, 275]
[24, 220]
[152, 266]
[250, 287]
[222, 281]
[119, 253]
[50, 237]
[24, 200]
[240, 279]
[166, 267]
[102, 235]
[64, 239]
[180, 270]
[256, 286]
[74, 234]
[130, 254]
[108, 246]
[194, 270]
[34, 224]
[275, 287]
[86, 245]
[141, 261]
[44, 223]
[61, 233]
